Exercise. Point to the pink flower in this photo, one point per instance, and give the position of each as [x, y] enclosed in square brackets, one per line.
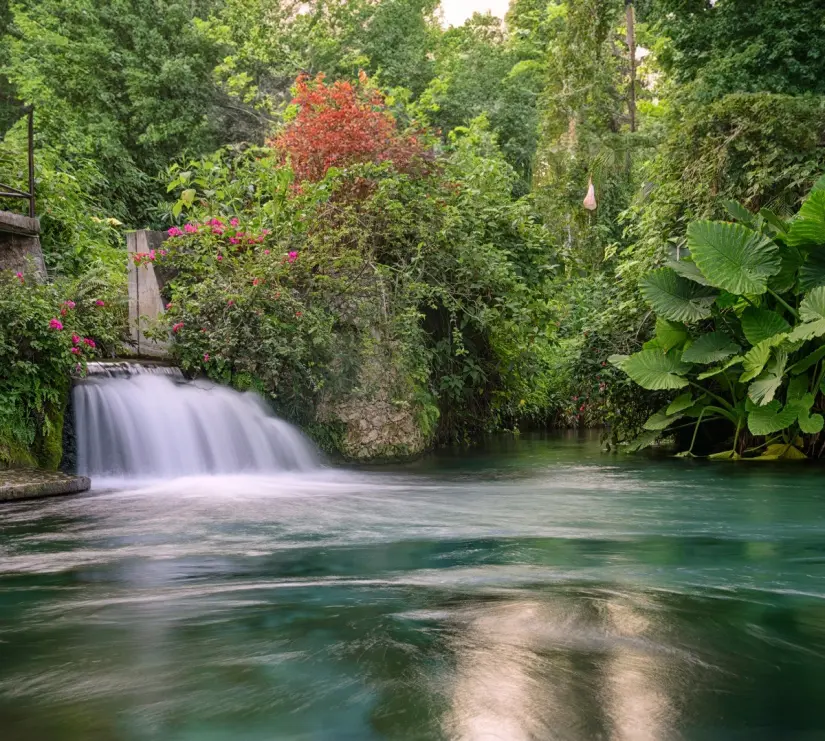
[219, 258]
[191, 228]
[76, 339]
[298, 314]
[63, 312]
[174, 232]
[89, 342]
[255, 281]
[55, 324]
[266, 252]
[214, 222]
[234, 222]
[69, 304]
[99, 303]
[230, 302]
[292, 256]
[20, 277]
[76, 351]
[176, 327]
[233, 240]
[206, 357]
[168, 306]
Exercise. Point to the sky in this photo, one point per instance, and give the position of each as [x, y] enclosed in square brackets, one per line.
[457, 11]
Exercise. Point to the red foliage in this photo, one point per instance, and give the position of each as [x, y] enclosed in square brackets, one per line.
[343, 124]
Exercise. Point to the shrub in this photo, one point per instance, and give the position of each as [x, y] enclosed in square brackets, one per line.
[739, 332]
[48, 331]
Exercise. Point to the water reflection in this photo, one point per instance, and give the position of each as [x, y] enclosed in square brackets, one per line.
[574, 667]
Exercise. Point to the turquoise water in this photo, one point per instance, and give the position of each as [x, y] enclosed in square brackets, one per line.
[531, 589]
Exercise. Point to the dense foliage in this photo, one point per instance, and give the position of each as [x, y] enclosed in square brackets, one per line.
[415, 201]
[291, 289]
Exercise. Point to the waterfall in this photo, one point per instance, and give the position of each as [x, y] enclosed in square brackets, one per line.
[141, 421]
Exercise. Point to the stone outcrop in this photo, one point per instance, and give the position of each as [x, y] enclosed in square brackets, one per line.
[379, 417]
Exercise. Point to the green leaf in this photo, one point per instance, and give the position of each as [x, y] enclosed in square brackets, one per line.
[670, 334]
[733, 257]
[739, 212]
[812, 271]
[661, 420]
[711, 348]
[808, 229]
[812, 313]
[760, 324]
[792, 260]
[771, 218]
[798, 387]
[810, 424]
[618, 360]
[680, 403]
[771, 418]
[764, 388]
[656, 370]
[720, 368]
[812, 307]
[688, 270]
[757, 357]
[675, 298]
[645, 440]
[188, 196]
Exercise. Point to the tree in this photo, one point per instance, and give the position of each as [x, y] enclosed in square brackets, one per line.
[340, 125]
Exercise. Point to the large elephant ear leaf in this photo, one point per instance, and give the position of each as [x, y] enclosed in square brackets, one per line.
[676, 298]
[688, 270]
[764, 388]
[809, 424]
[808, 229]
[771, 418]
[670, 334]
[792, 263]
[812, 314]
[812, 271]
[733, 257]
[657, 370]
[711, 348]
[755, 359]
[739, 212]
[759, 324]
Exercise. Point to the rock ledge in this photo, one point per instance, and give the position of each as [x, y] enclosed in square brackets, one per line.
[31, 483]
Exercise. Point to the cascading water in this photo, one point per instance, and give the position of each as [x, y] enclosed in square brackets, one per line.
[147, 422]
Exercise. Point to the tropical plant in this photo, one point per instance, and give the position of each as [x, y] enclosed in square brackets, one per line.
[740, 332]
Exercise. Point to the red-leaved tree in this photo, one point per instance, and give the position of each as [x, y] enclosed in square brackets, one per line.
[343, 124]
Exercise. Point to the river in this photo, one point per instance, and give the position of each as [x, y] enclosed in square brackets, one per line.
[531, 589]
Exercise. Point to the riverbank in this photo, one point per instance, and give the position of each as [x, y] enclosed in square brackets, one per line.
[33, 483]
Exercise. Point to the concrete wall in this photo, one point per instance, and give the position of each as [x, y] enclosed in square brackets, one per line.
[145, 302]
[20, 243]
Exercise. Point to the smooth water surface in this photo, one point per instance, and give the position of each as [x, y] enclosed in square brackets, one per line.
[531, 590]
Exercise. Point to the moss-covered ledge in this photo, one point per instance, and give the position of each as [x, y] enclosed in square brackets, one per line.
[33, 483]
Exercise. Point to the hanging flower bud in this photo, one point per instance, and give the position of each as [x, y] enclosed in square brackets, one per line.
[590, 198]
